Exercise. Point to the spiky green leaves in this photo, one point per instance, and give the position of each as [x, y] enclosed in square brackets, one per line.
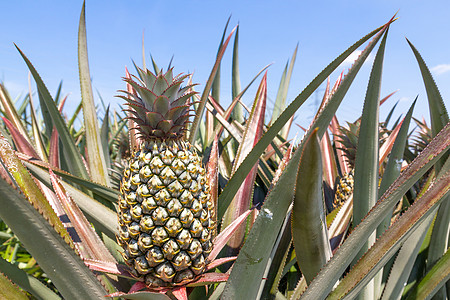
[158, 104]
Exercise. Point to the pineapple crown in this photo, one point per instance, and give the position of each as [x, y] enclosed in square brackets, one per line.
[158, 104]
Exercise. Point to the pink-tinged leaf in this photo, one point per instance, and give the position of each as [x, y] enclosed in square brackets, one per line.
[11, 113]
[389, 143]
[253, 132]
[286, 158]
[53, 154]
[205, 94]
[40, 147]
[61, 104]
[342, 159]
[220, 240]
[180, 293]
[233, 128]
[213, 178]
[27, 185]
[131, 124]
[21, 142]
[328, 160]
[340, 224]
[138, 286]
[209, 278]
[90, 245]
[108, 267]
[387, 97]
[220, 261]
[140, 295]
[327, 95]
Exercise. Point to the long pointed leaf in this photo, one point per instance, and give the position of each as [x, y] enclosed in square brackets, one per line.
[205, 94]
[234, 183]
[365, 192]
[73, 155]
[309, 229]
[252, 134]
[26, 282]
[97, 163]
[391, 240]
[58, 259]
[433, 280]
[8, 290]
[238, 113]
[327, 277]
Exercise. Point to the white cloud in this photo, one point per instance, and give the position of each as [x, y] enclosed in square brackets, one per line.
[440, 69]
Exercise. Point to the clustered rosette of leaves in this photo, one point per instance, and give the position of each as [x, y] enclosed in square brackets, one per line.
[285, 236]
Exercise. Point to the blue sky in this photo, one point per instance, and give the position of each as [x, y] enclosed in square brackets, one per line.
[191, 30]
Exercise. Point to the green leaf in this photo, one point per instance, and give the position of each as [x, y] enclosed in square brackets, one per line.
[205, 94]
[97, 163]
[73, 156]
[235, 182]
[394, 164]
[309, 229]
[433, 280]
[106, 193]
[253, 130]
[388, 244]
[52, 253]
[404, 262]
[365, 192]
[26, 282]
[11, 112]
[245, 278]
[238, 113]
[215, 89]
[30, 189]
[391, 172]
[9, 291]
[330, 273]
[439, 117]
[104, 137]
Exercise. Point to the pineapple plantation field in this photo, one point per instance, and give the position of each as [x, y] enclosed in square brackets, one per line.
[175, 193]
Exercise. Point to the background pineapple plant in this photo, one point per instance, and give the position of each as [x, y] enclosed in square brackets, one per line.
[291, 235]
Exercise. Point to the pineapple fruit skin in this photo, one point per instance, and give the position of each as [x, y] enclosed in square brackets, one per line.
[344, 189]
[165, 224]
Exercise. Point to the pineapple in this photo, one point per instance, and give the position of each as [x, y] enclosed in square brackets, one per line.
[165, 211]
[344, 188]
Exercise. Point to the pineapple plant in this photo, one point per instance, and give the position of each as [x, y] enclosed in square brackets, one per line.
[166, 210]
[164, 205]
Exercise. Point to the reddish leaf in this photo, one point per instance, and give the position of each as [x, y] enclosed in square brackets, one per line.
[219, 261]
[328, 160]
[21, 142]
[108, 267]
[387, 97]
[342, 159]
[90, 246]
[138, 286]
[209, 278]
[131, 124]
[180, 293]
[252, 134]
[389, 143]
[213, 178]
[220, 240]
[53, 154]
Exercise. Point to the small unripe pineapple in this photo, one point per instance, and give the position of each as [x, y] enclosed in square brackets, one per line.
[165, 224]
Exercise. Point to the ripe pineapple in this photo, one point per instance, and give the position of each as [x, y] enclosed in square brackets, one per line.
[164, 207]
